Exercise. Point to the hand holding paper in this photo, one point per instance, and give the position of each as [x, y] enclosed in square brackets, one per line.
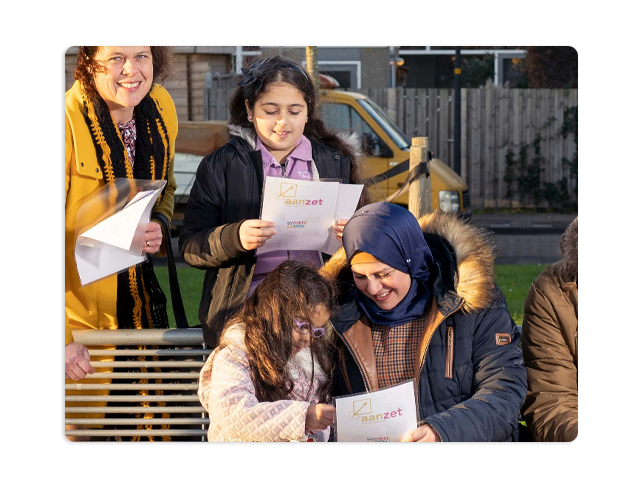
[153, 238]
[112, 228]
[383, 415]
[422, 433]
[253, 233]
[305, 213]
[319, 416]
[338, 228]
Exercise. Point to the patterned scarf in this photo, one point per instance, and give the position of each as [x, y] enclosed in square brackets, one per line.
[140, 301]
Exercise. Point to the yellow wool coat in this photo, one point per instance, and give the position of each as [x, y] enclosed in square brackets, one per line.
[94, 306]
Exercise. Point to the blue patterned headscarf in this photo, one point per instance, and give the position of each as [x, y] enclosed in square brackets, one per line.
[391, 234]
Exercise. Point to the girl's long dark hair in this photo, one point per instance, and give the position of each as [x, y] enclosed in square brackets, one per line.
[290, 291]
[282, 70]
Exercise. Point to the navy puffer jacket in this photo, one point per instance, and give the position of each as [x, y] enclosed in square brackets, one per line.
[469, 369]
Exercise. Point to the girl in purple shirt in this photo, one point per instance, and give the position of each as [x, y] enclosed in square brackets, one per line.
[276, 131]
[279, 113]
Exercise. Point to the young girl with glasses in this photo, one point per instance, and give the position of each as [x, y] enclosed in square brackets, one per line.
[270, 378]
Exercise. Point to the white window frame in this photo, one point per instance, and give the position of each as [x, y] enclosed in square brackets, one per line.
[357, 64]
[240, 53]
[499, 56]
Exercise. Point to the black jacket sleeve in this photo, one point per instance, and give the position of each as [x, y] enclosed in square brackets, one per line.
[207, 240]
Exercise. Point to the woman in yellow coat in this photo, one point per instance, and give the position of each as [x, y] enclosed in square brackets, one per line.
[118, 123]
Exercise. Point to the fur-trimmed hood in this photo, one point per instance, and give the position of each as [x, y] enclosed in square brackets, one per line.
[568, 249]
[244, 133]
[473, 250]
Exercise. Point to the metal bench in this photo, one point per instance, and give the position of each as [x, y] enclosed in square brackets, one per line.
[153, 378]
[132, 407]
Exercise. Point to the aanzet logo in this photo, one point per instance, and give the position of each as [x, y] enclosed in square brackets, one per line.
[363, 411]
[288, 191]
[377, 418]
[303, 202]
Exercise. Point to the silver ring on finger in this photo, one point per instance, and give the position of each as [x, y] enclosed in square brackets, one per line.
[147, 243]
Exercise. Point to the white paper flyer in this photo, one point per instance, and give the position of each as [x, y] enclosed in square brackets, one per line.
[379, 416]
[304, 212]
[111, 227]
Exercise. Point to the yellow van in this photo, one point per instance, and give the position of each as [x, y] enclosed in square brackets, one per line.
[387, 147]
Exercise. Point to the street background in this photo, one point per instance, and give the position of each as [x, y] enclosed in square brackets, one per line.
[525, 238]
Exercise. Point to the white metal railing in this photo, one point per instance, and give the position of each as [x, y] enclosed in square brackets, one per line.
[145, 388]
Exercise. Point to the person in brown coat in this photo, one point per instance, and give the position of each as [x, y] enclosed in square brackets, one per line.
[549, 344]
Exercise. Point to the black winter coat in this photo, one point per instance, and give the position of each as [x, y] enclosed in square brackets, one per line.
[469, 369]
[228, 190]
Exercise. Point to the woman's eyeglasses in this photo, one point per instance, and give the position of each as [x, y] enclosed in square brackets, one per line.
[304, 328]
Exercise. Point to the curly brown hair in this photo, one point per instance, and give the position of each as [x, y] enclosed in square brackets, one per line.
[292, 290]
[86, 66]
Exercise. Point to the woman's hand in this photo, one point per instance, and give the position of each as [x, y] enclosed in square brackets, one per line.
[253, 233]
[422, 433]
[77, 364]
[153, 237]
[338, 227]
[319, 416]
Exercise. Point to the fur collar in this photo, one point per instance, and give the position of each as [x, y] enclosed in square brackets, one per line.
[475, 251]
[244, 133]
[569, 251]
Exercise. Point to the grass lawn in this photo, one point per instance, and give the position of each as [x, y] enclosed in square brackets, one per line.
[514, 280]
[190, 282]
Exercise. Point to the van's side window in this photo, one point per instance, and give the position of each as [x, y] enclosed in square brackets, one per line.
[342, 117]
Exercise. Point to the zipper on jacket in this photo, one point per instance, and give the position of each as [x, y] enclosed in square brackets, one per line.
[449, 354]
[422, 361]
[355, 359]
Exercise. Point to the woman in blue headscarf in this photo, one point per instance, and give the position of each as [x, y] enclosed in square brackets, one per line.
[418, 301]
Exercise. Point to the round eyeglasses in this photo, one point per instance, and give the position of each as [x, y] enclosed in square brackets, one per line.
[304, 328]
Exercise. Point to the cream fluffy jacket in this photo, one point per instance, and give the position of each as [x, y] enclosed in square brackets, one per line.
[227, 392]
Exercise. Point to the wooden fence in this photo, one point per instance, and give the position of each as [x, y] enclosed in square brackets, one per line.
[494, 122]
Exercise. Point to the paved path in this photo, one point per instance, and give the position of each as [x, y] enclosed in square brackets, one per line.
[534, 249]
[524, 223]
[525, 238]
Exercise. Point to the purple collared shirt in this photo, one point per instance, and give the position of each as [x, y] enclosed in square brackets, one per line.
[298, 166]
